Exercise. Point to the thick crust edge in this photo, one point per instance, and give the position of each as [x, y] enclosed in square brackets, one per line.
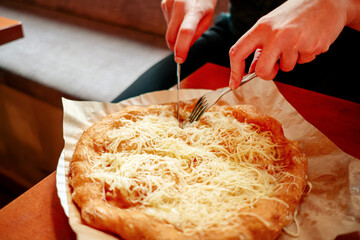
[133, 224]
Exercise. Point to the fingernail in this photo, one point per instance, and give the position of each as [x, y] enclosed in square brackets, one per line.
[179, 60]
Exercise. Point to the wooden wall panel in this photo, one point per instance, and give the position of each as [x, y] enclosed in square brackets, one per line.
[143, 15]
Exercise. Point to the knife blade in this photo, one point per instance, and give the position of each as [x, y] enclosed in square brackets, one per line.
[178, 91]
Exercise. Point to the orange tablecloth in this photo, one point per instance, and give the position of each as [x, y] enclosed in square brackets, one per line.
[38, 214]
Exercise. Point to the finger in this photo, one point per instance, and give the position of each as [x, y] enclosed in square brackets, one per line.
[191, 29]
[267, 66]
[185, 36]
[310, 50]
[236, 74]
[255, 60]
[305, 58]
[246, 45]
[269, 75]
[166, 6]
[288, 60]
[203, 25]
[177, 16]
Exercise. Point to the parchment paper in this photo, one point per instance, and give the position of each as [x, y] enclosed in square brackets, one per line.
[333, 206]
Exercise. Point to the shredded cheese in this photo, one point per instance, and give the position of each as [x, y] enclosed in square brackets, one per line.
[195, 178]
[297, 227]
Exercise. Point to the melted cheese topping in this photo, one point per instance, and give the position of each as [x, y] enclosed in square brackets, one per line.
[195, 178]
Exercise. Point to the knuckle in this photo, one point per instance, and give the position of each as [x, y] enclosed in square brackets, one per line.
[305, 58]
[286, 67]
[186, 31]
[266, 72]
[313, 49]
[288, 61]
[233, 52]
[264, 23]
[261, 72]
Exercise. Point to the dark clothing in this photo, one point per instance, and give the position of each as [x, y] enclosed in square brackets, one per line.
[331, 73]
[245, 13]
[213, 46]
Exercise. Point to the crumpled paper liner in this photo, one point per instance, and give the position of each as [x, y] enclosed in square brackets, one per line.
[331, 209]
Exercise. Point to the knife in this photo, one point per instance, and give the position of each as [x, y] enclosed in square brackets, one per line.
[178, 91]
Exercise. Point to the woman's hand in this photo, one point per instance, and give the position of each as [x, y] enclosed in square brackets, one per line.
[295, 32]
[187, 20]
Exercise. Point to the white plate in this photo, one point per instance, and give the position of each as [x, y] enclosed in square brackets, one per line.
[61, 183]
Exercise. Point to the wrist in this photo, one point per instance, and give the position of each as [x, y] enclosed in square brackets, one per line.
[353, 14]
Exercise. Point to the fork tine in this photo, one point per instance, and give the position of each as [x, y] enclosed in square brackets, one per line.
[199, 109]
[204, 108]
[210, 98]
[196, 109]
[198, 104]
[192, 115]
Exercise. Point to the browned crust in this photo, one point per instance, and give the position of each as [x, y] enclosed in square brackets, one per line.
[103, 214]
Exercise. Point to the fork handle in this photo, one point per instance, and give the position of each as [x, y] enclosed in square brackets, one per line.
[245, 79]
[248, 77]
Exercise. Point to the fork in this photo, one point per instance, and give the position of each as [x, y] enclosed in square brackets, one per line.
[210, 98]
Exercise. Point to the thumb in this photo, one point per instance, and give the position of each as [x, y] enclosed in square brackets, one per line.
[255, 60]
